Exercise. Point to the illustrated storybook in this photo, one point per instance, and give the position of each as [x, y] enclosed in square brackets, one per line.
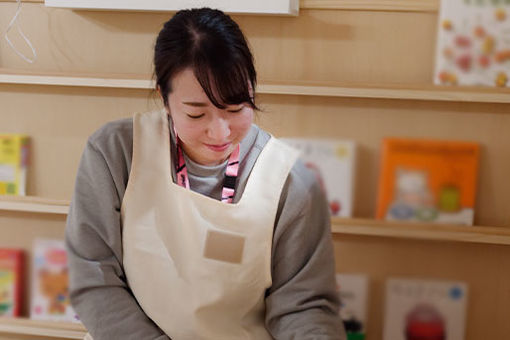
[50, 282]
[473, 43]
[11, 281]
[353, 292]
[333, 163]
[429, 181]
[424, 309]
[13, 164]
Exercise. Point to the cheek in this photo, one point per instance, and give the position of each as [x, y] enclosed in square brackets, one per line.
[243, 124]
[188, 132]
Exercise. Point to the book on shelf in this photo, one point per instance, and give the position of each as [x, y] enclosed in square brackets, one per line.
[424, 309]
[50, 282]
[431, 181]
[333, 163]
[353, 293]
[473, 47]
[14, 150]
[11, 281]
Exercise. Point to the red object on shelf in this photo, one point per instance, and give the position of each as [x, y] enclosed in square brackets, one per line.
[11, 281]
[425, 323]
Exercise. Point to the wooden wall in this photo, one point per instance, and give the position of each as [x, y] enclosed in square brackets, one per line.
[334, 46]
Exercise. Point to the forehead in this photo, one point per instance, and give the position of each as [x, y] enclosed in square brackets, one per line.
[185, 86]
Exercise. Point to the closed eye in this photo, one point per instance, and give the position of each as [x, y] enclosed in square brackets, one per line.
[195, 116]
[236, 110]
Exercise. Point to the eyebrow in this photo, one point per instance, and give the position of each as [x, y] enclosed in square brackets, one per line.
[197, 104]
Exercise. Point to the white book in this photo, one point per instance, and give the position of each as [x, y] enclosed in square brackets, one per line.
[473, 44]
[50, 282]
[424, 309]
[353, 293]
[333, 163]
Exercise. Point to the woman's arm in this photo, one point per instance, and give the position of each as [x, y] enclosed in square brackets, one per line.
[302, 302]
[98, 289]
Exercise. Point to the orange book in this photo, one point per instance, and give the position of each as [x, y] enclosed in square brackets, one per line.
[428, 181]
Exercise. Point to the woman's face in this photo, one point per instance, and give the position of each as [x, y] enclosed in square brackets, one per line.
[208, 134]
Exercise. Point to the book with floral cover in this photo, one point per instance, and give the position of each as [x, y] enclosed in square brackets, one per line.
[473, 43]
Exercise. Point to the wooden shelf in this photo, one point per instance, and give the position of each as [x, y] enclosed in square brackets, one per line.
[57, 330]
[368, 5]
[430, 232]
[353, 226]
[34, 204]
[373, 5]
[425, 92]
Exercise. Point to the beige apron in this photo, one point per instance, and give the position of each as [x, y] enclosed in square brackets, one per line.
[199, 268]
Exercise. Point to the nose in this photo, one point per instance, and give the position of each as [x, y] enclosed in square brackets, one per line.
[218, 129]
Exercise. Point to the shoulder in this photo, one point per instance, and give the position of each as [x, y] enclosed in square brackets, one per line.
[113, 134]
[112, 145]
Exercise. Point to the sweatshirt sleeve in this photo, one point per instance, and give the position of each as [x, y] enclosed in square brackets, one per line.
[98, 290]
[302, 302]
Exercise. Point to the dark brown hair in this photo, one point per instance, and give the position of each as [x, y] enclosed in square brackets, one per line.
[210, 43]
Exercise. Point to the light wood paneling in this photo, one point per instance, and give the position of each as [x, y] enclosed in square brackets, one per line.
[338, 46]
[359, 46]
[484, 267]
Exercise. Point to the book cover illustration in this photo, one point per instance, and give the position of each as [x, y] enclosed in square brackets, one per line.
[333, 162]
[424, 309]
[11, 281]
[353, 292]
[428, 181]
[473, 43]
[50, 282]
[13, 164]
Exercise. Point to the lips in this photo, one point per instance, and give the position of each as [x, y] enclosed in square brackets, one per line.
[218, 147]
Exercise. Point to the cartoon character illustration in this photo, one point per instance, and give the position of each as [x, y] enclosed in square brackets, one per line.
[54, 286]
[412, 197]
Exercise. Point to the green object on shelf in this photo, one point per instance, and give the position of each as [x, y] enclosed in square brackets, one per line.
[355, 336]
[449, 199]
[4, 307]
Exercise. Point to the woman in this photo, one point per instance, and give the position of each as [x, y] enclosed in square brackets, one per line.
[192, 223]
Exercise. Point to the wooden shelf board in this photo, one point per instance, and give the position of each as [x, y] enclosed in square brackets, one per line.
[34, 204]
[373, 5]
[369, 5]
[431, 232]
[58, 330]
[325, 89]
[353, 226]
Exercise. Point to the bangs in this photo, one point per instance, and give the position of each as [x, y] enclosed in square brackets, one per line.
[225, 81]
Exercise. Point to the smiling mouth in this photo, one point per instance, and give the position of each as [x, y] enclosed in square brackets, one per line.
[218, 147]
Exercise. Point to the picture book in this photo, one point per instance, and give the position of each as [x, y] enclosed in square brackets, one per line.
[13, 164]
[50, 282]
[424, 309]
[428, 181]
[353, 292]
[11, 281]
[473, 43]
[333, 162]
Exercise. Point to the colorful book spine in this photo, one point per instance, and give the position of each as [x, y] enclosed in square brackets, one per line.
[11, 281]
[13, 164]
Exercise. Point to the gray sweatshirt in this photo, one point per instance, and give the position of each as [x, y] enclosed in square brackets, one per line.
[302, 302]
